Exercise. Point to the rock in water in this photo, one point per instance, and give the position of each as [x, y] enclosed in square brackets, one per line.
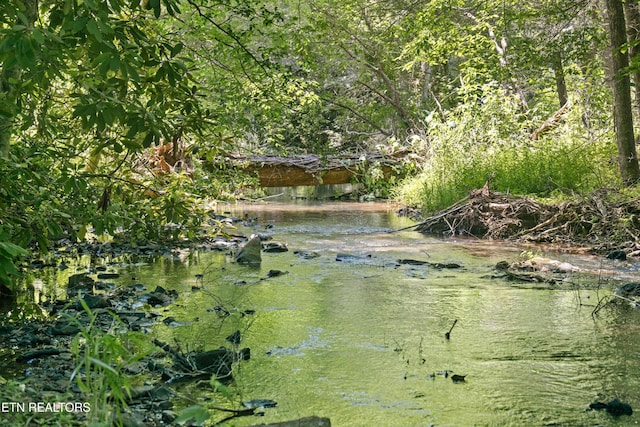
[275, 247]
[618, 254]
[629, 290]
[614, 407]
[250, 252]
[617, 408]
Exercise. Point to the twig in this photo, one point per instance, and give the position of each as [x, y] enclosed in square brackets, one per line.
[448, 334]
[455, 208]
[263, 198]
[608, 298]
[541, 225]
[406, 228]
[235, 413]
[551, 122]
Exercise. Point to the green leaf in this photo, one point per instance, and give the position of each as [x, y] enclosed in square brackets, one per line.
[155, 4]
[103, 365]
[7, 269]
[11, 250]
[132, 145]
[92, 28]
[98, 226]
[176, 49]
[38, 36]
[118, 148]
[196, 414]
[55, 230]
[104, 68]
[80, 23]
[23, 18]
[43, 242]
[172, 7]
[131, 72]
[82, 233]
[148, 139]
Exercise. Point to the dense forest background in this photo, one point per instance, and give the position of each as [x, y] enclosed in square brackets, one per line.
[110, 109]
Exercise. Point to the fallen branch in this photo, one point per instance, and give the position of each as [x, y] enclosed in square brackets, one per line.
[550, 123]
[541, 225]
[235, 413]
[43, 352]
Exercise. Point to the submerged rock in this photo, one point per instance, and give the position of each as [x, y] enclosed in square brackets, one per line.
[307, 254]
[93, 302]
[62, 328]
[345, 257]
[276, 273]
[275, 247]
[412, 262]
[81, 280]
[458, 378]
[541, 264]
[260, 403]
[629, 290]
[618, 254]
[442, 265]
[107, 276]
[438, 265]
[160, 297]
[219, 362]
[234, 338]
[614, 407]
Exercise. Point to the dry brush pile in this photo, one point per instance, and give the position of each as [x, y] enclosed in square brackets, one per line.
[599, 220]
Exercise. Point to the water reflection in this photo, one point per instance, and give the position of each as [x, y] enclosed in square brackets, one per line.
[363, 342]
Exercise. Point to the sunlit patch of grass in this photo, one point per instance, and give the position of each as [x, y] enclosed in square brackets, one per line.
[472, 148]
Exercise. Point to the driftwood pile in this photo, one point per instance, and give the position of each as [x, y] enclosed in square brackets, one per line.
[312, 169]
[314, 163]
[596, 220]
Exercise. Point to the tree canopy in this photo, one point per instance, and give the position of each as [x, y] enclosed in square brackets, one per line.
[108, 108]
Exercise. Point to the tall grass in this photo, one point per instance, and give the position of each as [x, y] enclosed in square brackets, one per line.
[100, 358]
[491, 140]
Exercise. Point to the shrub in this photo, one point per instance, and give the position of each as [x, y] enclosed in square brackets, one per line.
[491, 140]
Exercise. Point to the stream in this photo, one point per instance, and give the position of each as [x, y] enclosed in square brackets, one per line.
[362, 340]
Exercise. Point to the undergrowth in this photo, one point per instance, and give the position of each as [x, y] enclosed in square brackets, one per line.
[491, 142]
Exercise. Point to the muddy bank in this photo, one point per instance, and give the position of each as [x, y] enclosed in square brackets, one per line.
[605, 221]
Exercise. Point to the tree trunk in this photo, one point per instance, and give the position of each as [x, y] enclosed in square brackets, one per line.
[561, 84]
[632, 13]
[622, 109]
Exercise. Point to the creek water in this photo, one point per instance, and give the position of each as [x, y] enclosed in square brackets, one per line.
[362, 341]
